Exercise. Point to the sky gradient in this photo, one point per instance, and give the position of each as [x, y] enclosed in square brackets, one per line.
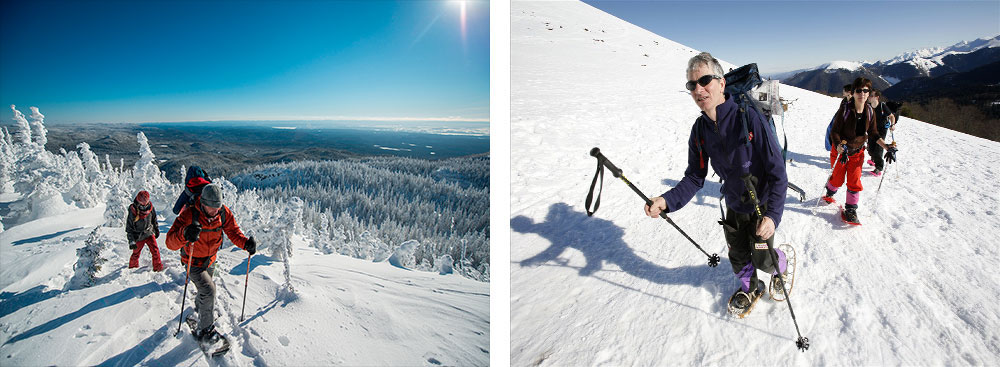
[123, 61]
[788, 35]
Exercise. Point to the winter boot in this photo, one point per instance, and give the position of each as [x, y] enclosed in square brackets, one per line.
[207, 335]
[829, 196]
[877, 172]
[870, 162]
[742, 300]
[851, 215]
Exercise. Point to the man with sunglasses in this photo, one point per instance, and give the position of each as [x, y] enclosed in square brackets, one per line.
[722, 142]
[854, 122]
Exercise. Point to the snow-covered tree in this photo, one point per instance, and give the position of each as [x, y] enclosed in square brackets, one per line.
[23, 133]
[89, 261]
[38, 131]
[147, 176]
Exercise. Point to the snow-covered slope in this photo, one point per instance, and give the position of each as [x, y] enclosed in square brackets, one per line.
[345, 311]
[915, 285]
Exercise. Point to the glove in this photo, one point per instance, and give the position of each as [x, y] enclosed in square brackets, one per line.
[843, 154]
[250, 246]
[131, 245]
[192, 232]
[157, 235]
[890, 154]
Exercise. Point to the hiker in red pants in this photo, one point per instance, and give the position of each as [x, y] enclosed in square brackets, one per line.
[854, 123]
[142, 230]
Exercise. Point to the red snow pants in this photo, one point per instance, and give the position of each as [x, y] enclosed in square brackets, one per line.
[133, 262]
[851, 170]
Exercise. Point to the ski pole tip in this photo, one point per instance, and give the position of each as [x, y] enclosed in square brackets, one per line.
[713, 260]
[595, 151]
[802, 343]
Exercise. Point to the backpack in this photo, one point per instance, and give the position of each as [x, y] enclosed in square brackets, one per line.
[847, 111]
[194, 181]
[749, 91]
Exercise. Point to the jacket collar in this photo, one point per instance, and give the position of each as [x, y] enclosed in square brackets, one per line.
[723, 112]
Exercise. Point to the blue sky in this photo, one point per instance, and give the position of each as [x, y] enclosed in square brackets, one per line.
[125, 61]
[789, 35]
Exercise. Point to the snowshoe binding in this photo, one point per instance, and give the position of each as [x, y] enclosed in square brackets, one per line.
[850, 216]
[741, 303]
[211, 342]
[787, 279]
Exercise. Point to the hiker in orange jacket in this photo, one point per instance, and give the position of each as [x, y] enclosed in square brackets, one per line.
[197, 232]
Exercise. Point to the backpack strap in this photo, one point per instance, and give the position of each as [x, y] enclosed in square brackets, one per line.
[698, 141]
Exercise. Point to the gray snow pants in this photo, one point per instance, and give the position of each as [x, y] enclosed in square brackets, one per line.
[204, 302]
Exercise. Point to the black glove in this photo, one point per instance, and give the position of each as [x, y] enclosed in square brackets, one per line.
[843, 155]
[890, 154]
[131, 245]
[192, 232]
[250, 246]
[157, 235]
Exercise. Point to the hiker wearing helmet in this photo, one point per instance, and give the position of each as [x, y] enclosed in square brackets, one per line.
[852, 125]
[197, 232]
[719, 138]
[142, 230]
[883, 121]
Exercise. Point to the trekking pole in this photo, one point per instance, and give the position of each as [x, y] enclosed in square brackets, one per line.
[803, 342]
[187, 276]
[602, 161]
[879, 189]
[245, 284]
[832, 169]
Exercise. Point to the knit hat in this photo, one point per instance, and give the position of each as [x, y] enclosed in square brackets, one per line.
[211, 196]
[142, 197]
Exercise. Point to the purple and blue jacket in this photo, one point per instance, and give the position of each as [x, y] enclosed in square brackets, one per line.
[723, 147]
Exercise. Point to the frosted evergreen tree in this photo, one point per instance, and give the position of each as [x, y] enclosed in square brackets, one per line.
[89, 261]
[23, 133]
[118, 199]
[6, 162]
[147, 176]
[38, 131]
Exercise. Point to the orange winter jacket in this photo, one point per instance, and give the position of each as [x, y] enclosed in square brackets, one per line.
[211, 234]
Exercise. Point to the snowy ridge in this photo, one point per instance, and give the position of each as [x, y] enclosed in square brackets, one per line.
[833, 66]
[912, 286]
[935, 54]
[64, 279]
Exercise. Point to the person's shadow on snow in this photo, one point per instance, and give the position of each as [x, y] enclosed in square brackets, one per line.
[602, 241]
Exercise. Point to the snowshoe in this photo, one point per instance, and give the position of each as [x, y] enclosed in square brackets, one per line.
[870, 162]
[849, 216]
[829, 199]
[741, 303]
[877, 172]
[788, 278]
[210, 341]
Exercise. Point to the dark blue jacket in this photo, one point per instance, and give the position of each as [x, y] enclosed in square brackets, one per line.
[724, 149]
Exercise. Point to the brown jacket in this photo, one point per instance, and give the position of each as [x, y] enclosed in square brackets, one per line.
[848, 126]
[211, 233]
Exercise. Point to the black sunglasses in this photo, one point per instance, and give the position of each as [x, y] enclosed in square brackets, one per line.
[703, 81]
[865, 90]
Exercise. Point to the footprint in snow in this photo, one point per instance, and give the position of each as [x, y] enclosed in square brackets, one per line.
[284, 340]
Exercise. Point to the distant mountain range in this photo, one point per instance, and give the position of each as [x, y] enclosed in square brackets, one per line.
[924, 63]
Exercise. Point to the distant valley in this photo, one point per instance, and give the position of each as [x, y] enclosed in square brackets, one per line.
[226, 149]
